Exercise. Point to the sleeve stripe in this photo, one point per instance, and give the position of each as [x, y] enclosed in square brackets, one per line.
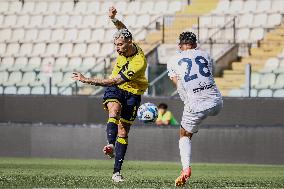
[123, 76]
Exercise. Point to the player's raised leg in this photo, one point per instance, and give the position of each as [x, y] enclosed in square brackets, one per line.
[114, 109]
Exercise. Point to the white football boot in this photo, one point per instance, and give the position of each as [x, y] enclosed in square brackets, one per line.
[117, 177]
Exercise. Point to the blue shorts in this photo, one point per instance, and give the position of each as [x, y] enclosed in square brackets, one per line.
[129, 102]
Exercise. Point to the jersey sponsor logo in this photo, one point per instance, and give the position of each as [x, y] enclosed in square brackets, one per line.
[202, 87]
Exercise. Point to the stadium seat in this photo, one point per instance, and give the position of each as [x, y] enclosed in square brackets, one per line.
[133, 7]
[75, 21]
[279, 83]
[28, 7]
[56, 36]
[130, 21]
[236, 93]
[98, 35]
[73, 64]
[70, 35]
[222, 6]
[5, 35]
[243, 35]
[281, 67]
[38, 90]
[2, 48]
[80, 7]
[236, 6]
[62, 21]
[87, 64]
[33, 64]
[4, 7]
[121, 6]
[38, 49]
[270, 65]
[260, 20]
[10, 90]
[107, 49]
[160, 7]
[66, 80]
[14, 78]
[255, 79]
[19, 65]
[274, 20]
[277, 6]
[15, 7]
[24, 90]
[25, 49]
[12, 49]
[40, 8]
[104, 7]
[66, 7]
[245, 20]
[60, 64]
[265, 93]
[84, 35]
[147, 7]
[17, 35]
[93, 7]
[22, 21]
[279, 93]
[93, 49]
[65, 49]
[57, 78]
[6, 63]
[51, 49]
[256, 34]
[40, 80]
[49, 21]
[3, 77]
[205, 21]
[1, 89]
[101, 21]
[266, 81]
[31, 35]
[44, 35]
[35, 21]
[79, 49]
[218, 21]
[88, 21]
[28, 78]
[263, 6]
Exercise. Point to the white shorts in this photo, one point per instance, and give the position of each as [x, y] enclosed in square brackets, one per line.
[191, 120]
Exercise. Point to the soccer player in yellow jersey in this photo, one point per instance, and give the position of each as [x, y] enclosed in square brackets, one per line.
[123, 93]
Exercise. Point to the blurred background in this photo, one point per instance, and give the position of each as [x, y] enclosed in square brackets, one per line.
[43, 41]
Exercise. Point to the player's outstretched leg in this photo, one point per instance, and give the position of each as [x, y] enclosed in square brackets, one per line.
[120, 151]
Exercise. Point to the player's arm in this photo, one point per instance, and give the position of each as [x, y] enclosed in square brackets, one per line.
[118, 24]
[98, 81]
[174, 79]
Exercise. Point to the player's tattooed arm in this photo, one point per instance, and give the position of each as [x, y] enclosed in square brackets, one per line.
[98, 81]
[118, 24]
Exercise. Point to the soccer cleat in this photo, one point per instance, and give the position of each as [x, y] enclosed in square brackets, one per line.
[184, 176]
[109, 150]
[117, 177]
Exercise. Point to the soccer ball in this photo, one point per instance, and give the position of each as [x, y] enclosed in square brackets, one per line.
[147, 112]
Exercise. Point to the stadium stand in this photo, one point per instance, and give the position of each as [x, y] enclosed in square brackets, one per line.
[39, 36]
[36, 36]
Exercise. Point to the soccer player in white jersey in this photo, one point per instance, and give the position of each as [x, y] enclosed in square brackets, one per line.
[191, 70]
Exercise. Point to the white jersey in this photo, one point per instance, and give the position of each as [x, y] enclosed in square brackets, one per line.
[196, 85]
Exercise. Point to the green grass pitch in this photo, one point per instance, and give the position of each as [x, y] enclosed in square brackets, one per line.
[62, 173]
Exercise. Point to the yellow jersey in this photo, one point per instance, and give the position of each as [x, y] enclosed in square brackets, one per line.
[132, 69]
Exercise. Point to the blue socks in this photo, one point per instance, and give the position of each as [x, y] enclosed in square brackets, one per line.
[112, 129]
[120, 150]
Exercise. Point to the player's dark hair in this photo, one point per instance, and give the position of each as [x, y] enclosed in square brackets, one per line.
[163, 106]
[187, 38]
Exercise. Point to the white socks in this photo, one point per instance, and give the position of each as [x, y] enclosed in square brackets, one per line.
[185, 151]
